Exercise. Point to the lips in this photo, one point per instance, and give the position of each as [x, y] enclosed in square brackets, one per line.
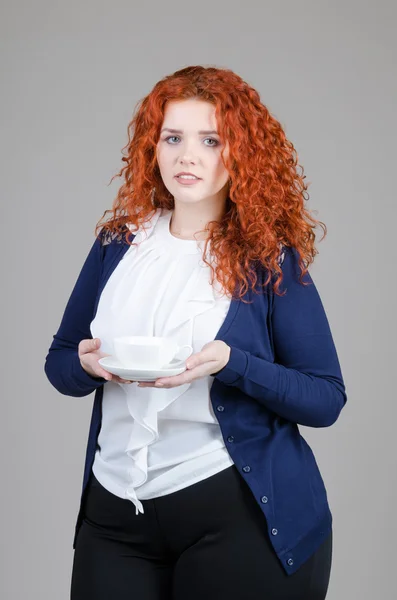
[188, 174]
[188, 181]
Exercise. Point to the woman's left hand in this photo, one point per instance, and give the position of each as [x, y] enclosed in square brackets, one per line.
[211, 359]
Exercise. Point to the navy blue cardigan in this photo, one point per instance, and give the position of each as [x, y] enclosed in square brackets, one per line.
[283, 371]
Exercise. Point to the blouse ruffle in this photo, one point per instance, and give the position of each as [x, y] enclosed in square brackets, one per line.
[135, 293]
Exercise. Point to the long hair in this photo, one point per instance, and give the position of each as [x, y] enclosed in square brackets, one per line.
[265, 207]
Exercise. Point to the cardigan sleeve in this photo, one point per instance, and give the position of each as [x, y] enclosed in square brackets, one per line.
[304, 384]
[62, 363]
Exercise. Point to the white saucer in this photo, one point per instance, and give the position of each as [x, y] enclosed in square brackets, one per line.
[112, 365]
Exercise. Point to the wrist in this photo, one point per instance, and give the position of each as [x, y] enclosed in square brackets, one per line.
[227, 357]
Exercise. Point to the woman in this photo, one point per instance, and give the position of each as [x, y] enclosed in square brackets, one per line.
[201, 483]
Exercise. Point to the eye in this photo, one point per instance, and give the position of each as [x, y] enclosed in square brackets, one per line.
[212, 140]
[170, 137]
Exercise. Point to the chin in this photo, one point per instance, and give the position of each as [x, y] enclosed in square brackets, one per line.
[188, 194]
[188, 199]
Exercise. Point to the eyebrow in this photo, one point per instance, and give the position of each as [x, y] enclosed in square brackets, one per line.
[202, 132]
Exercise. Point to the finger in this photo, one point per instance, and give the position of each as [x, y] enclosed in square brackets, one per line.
[203, 356]
[116, 378]
[174, 381]
[104, 374]
[86, 346]
[194, 359]
[146, 383]
[187, 376]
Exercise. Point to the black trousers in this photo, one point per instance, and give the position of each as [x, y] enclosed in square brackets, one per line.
[206, 541]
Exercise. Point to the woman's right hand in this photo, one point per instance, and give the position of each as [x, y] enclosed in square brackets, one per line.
[89, 355]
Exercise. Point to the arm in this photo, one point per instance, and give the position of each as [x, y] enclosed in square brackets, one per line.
[62, 363]
[305, 383]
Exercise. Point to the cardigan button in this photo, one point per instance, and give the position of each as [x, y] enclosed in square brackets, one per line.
[290, 562]
[274, 531]
[264, 499]
[220, 408]
[230, 439]
[247, 469]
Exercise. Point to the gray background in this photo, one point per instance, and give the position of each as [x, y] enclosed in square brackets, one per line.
[71, 74]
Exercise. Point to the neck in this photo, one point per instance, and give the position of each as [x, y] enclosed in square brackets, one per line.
[187, 221]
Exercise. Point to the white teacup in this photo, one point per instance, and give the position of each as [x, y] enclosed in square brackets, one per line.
[148, 352]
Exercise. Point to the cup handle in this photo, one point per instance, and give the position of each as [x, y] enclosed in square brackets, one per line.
[184, 352]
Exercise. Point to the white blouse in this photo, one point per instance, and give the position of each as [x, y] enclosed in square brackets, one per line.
[156, 441]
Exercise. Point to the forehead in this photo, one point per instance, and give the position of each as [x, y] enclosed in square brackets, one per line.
[189, 114]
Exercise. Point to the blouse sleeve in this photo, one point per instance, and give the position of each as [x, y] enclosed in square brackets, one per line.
[304, 384]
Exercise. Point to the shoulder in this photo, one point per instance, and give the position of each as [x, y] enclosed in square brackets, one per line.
[288, 258]
[126, 230]
[282, 253]
[107, 237]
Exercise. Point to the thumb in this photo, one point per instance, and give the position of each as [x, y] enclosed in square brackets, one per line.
[88, 345]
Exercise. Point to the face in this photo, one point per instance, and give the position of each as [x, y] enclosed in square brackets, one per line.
[189, 143]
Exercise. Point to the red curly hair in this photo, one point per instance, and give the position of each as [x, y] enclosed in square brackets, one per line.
[265, 205]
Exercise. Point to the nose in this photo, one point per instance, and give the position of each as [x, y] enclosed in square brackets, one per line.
[187, 155]
[184, 160]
